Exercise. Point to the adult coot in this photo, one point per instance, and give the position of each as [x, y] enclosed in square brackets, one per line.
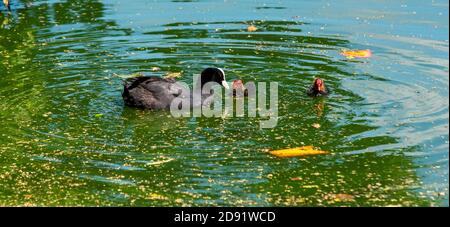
[156, 93]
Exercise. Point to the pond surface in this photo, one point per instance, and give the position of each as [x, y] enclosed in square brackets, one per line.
[67, 139]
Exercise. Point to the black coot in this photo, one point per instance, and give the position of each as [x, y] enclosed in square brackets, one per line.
[157, 93]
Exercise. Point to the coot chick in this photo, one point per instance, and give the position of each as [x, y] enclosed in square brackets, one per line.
[318, 88]
[157, 93]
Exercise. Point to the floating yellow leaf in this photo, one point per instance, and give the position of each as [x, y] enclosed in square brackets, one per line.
[173, 75]
[299, 151]
[252, 28]
[357, 53]
[316, 125]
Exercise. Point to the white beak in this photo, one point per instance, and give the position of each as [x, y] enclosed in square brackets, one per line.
[225, 85]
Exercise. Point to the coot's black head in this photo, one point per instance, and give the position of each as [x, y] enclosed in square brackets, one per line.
[214, 75]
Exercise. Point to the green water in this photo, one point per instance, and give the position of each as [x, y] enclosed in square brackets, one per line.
[67, 139]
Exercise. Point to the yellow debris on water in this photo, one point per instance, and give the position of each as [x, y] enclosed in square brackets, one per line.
[173, 75]
[350, 54]
[297, 152]
[156, 196]
[160, 162]
[340, 197]
[28, 196]
[296, 178]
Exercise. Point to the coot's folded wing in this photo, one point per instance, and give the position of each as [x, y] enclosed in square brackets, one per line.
[149, 92]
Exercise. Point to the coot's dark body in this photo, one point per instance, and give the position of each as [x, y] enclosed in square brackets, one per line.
[150, 92]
